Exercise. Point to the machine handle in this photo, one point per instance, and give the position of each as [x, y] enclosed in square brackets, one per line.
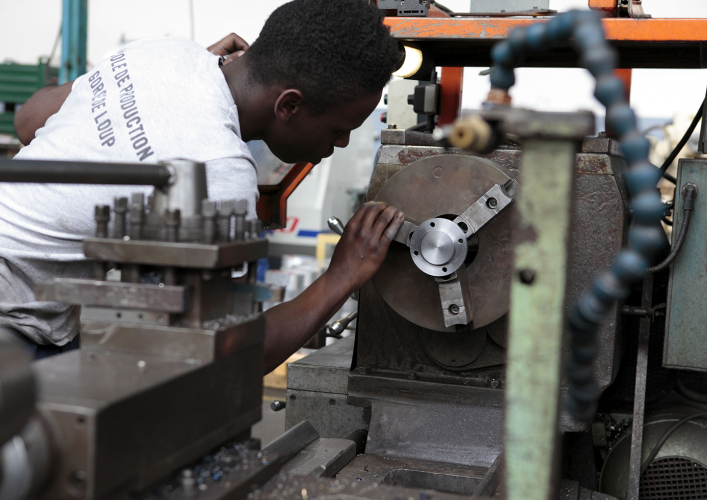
[336, 225]
[278, 405]
[338, 326]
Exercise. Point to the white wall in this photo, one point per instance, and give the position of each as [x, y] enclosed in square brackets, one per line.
[28, 29]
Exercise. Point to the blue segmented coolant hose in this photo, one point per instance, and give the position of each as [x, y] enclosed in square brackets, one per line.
[585, 31]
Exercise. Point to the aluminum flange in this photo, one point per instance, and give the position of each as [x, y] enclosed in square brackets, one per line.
[438, 247]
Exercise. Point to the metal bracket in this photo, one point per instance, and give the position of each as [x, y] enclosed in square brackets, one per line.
[405, 233]
[632, 8]
[455, 300]
[406, 8]
[487, 207]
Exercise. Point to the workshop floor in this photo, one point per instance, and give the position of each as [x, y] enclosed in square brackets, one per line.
[273, 422]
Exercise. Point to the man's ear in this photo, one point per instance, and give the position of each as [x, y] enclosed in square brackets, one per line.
[288, 104]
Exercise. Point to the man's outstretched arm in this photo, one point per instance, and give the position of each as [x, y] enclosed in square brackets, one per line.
[36, 111]
[357, 257]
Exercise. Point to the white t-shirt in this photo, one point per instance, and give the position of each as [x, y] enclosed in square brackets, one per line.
[155, 100]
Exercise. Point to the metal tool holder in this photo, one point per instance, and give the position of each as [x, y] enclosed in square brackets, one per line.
[171, 359]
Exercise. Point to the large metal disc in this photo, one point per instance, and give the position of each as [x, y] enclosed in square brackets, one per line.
[441, 186]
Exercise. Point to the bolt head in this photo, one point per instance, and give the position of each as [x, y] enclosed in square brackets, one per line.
[173, 216]
[102, 212]
[492, 203]
[226, 208]
[208, 208]
[454, 309]
[527, 276]
[120, 204]
[240, 207]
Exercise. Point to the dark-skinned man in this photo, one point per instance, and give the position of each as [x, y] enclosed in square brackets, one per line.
[314, 74]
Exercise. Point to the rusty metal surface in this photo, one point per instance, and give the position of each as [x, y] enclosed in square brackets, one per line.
[443, 186]
[451, 478]
[115, 411]
[201, 345]
[603, 145]
[160, 253]
[381, 330]
[165, 298]
[418, 427]
[322, 458]
[600, 208]
[290, 487]
[455, 350]
[232, 472]
[406, 137]
[599, 225]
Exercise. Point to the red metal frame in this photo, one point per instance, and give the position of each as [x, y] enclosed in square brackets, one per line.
[450, 102]
[625, 76]
[272, 205]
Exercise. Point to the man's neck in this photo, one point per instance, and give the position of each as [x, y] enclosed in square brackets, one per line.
[254, 106]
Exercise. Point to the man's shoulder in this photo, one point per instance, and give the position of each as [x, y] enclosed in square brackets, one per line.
[159, 53]
[171, 44]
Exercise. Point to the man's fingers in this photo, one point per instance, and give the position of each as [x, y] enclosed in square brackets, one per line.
[371, 212]
[227, 59]
[230, 44]
[392, 229]
[384, 219]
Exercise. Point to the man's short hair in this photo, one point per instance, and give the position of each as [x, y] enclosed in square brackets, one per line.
[331, 50]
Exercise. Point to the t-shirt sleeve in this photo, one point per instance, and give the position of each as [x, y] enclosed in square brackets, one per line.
[233, 178]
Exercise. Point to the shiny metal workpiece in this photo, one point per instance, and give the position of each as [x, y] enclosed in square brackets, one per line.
[438, 247]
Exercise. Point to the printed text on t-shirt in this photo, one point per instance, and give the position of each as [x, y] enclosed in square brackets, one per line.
[128, 104]
[103, 123]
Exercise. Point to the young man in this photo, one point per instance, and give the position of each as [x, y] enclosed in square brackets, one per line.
[315, 73]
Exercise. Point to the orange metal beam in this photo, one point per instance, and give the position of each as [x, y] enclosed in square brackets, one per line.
[608, 6]
[617, 29]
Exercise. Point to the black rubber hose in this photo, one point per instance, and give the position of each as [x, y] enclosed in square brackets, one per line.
[675, 152]
[669, 177]
[690, 193]
[583, 29]
[665, 437]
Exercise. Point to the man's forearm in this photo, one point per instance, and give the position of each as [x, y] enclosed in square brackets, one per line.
[289, 325]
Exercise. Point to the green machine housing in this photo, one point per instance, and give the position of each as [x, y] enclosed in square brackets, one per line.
[686, 324]
[17, 84]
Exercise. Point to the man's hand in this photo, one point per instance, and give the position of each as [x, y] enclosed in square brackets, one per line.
[357, 257]
[229, 47]
[365, 242]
